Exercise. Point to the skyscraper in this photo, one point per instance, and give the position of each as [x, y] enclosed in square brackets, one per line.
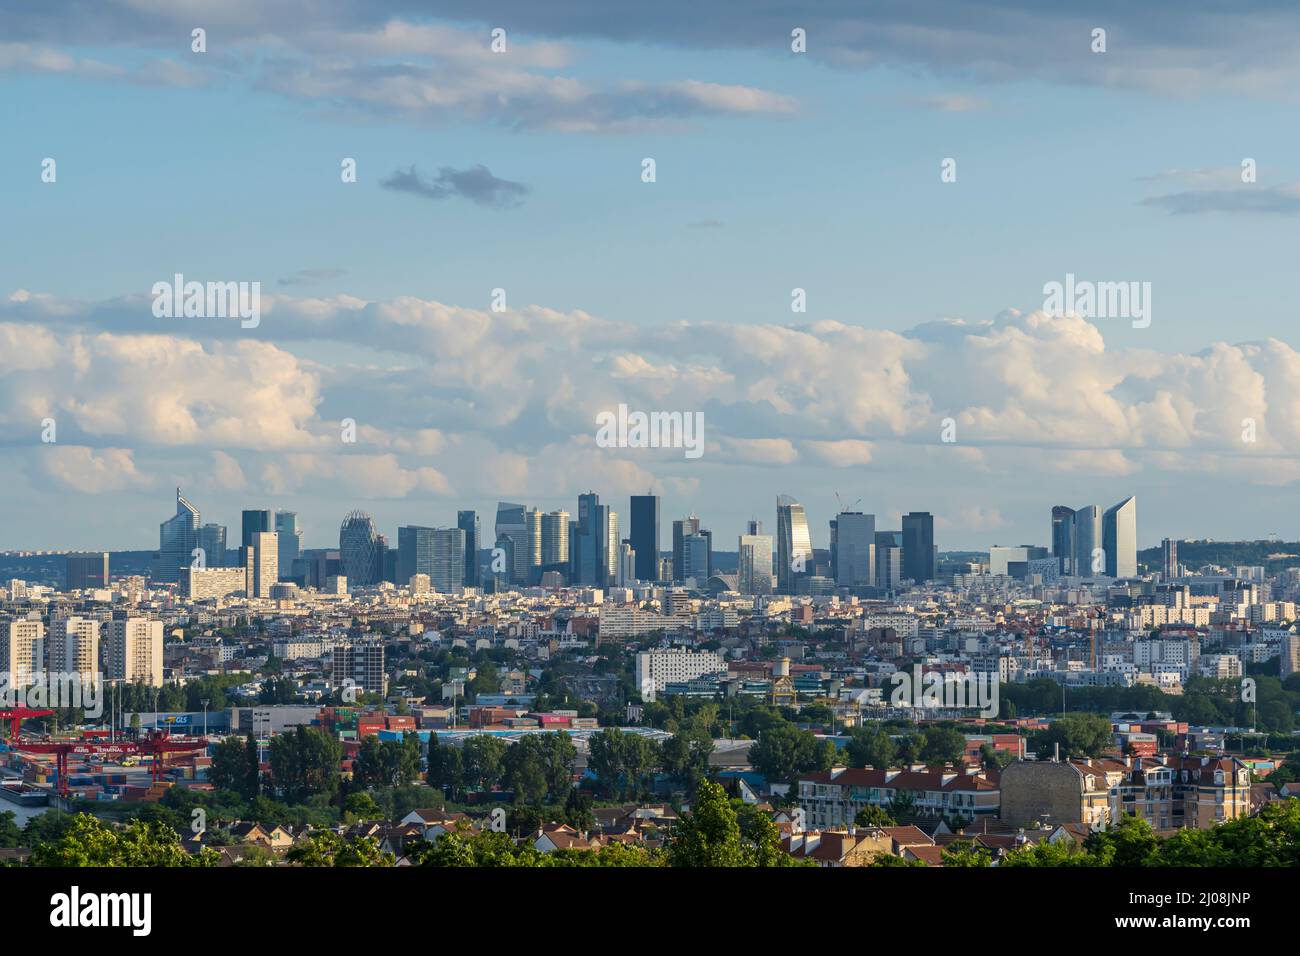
[289, 537]
[855, 558]
[468, 522]
[644, 535]
[1087, 539]
[754, 567]
[262, 563]
[212, 539]
[85, 571]
[448, 570]
[919, 555]
[1063, 538]
[793, 543]
[695, 558]
[555, 541]
[177, 539]
[1119, 539]
[360, 550]
[1169, 556]
[681, 528]
[414, 553]
[512, 538]
[254, 522]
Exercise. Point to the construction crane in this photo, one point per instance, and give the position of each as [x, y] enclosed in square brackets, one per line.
[15, 716]
[157, 744]
[840, 501]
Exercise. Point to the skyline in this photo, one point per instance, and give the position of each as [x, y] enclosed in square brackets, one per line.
[926, 300]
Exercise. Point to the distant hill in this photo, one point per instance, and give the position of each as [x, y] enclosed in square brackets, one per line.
[1274, 555]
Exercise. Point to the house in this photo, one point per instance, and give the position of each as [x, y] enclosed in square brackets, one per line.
[833, 798]
[561, 836]
[434, 823]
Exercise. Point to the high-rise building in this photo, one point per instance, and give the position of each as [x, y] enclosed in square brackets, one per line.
[1119, 539]
[361, 553]
[512, 538]
[626, 564]
[85, 571]
[261, 559]
[597, 540]
[212, 541]
[135, 651]
[254, 521]
[793, 543]
[855, 557]
[205, 584]
[360, 665]
[754, 566]
[177, 539]
[1063, 538]
[1169, 558]
[644, 535]
[533, 542]
[1290, 658]
[468, 522]
[22, 650]
[289, 540]
[448, 571]
[682, 527]
[555, 541]
[74, 647]
[1087, 540]
[414, 553]
[919, 554]
[695, 558]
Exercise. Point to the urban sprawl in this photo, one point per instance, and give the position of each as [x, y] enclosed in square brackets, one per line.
[576, 690]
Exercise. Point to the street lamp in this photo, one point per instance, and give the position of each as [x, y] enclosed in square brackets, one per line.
[205, 717]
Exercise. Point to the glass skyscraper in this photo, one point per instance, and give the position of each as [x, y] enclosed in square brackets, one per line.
[178, 536]
[793, 543]
[644, 535]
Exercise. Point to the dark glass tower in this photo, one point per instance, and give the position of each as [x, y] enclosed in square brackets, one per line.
[918, 546]
[645, 536]
[468, 522]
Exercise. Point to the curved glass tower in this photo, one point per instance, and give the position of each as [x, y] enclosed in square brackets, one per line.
[793, 542]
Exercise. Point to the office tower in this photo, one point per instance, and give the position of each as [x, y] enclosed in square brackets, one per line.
[919, 556]
[754, 566]
[512, 538]
[360, 550]
[1087, 539]
[212, 541]
[74, 647]
[414, 553]
[22, 651]
[316, 566]
[533, 542]
[468, 522]
[626, 564]
[681, 529]
[612, 539]
[665, 570]
[793, 543]
[261, 562]
[1063, 538]
[555, 541]
[856, 550]
[708, 552]
[135, 651]
[81, 572]
[835, 547]
[695, 559]
[254, 521]
[385, 560]
[360, 665]
[448, 572]
[597, 542]
[1289, 662]
[1169, 556]
[1119, 539]
[644, 535]
[290, 540]
[177, 539]
[753, 526]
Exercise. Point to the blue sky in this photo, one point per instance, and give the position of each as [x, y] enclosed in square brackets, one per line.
[818, 171]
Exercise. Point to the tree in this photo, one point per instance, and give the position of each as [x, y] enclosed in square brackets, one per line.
[942, 744]
[711, 835]
[873, 817]
[305, 762]
[964, 853]
[783, 751]
[327, 848]
[90, 842]
[686, 756]
[446, 769]
[1080, 735]
[482, 758]
[229, 770]
[871, 747]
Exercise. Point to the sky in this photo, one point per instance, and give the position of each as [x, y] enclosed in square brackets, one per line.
[522, 171]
